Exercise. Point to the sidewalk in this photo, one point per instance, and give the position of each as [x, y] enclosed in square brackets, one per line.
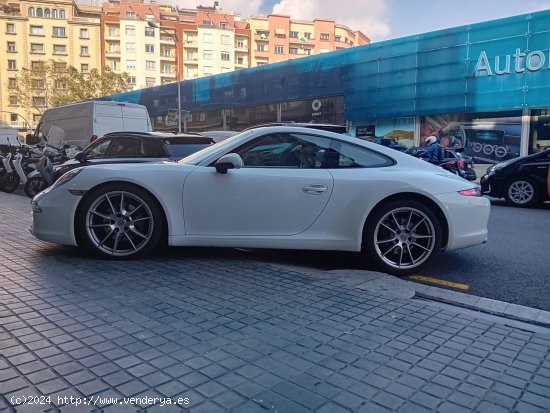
[208, 332]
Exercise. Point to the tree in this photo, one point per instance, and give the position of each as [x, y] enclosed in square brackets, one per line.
[51, 83]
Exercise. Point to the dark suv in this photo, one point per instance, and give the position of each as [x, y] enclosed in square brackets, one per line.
[123, 147]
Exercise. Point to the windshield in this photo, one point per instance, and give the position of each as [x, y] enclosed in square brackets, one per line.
[206, 153]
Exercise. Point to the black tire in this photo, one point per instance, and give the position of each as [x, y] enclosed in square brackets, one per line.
[402, 236]
[115, 232]
[34, 185]
[10, 182]
[522, 192]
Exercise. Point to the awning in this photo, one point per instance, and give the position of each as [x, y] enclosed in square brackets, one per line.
[280, 31]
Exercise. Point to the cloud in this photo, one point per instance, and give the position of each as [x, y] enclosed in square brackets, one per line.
[369, 16]
[244, 8]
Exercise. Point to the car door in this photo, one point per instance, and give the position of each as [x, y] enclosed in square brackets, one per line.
[539, 168]
[280, 191]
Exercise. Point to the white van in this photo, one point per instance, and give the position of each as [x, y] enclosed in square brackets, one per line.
[78, 124]
[8, 136]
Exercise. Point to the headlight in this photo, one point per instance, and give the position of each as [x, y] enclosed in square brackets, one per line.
[494, 168]
[66, 177]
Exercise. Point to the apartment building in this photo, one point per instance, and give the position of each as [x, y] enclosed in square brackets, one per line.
[39, 30]
[277, 38]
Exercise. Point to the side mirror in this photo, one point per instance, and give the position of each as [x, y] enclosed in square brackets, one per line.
[80, 157]
[229, 161]
[31, 139]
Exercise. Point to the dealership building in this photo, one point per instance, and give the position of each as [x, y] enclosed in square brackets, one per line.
[484, 86]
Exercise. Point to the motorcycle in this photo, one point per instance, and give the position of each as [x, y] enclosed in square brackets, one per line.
[9, 181]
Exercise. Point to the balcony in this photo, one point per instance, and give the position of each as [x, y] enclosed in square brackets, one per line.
[191, 44]
[261, 53]
[191, 60]
[112, 53]
[166, 39]
[168, 58]
[112, 36]
[242, 49]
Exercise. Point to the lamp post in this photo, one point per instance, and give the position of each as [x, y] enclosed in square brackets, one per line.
[175, 39]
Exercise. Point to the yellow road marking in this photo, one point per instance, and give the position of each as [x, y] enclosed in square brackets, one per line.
[440, 282]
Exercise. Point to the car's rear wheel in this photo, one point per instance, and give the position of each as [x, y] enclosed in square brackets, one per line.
[119, 221]
[402, 236]
[522, 192]
[34, 185]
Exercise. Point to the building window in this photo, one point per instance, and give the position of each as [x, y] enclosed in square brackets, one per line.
[307, 51]
[190, 56]
[39, 101]
[307, 35]
[60, 85]
[59, 49]
[262, 48]
[150, 31]
[112, 65]
[60, 67]
[112, 31]
[11, 47]
[226, 39]
[38, 84]
[62, 14]
[36, 117]
[84, 34]
[293, 50]
[84, 68]
[149, 81]
[55, 14]
[113, 48]
[13, 117]
[207, 22]
[37, 66]
[130, 47]
[84, 51]
[150, 65]
[240, 44]
[10, 28]
[337, 38]
[225, 56]
[47, 13]
[207, 37]
[12, 82]
[130, 30]
[131, 64]
[167, 52]
[293, 35]
[207, 70]
[39, 12]
[37, 31]
[13, 100]
[167, 68]
[149, 48]
[325, 37]
[58, 32]
[12, 65]
[207, 55]
[131, 80]
[279, 49]
[32, 12]
[130, 14]
[240, 61]
[37, 48]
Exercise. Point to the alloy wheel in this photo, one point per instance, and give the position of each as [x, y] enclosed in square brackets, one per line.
[119, 223]
[404, 238]
[521, 192]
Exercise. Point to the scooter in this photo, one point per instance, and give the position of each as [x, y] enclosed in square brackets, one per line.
[9, 180]
[43, 175]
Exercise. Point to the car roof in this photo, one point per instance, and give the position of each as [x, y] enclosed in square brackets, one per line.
[322, 126]
[173, 138]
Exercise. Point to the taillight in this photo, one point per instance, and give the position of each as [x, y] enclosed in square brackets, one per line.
[471, 192]
[93, 138]
[460, 164]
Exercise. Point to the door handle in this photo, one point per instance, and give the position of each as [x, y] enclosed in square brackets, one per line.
[315, 189]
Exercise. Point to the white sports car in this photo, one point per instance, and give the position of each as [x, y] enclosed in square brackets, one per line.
[272, 187]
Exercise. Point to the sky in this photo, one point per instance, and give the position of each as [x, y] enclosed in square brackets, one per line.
[380, 19]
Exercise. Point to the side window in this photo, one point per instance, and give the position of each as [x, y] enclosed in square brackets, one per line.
[345, 155]
[286, 150]
[125, 146]
[154, 148]
[98, 148]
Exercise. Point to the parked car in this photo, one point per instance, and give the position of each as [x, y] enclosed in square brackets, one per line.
[219, 135]
[453, 159]
[135, 147]
[523, 182]
[356, 196]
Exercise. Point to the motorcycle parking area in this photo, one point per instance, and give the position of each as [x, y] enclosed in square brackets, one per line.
[207, 331]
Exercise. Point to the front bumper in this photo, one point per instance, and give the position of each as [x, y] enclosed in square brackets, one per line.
[53, 216]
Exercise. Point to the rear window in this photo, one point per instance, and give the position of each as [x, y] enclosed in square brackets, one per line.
[178, 151]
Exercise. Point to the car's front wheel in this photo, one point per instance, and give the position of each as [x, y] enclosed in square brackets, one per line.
[119, 221]
[402, 236]
[522, 192]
